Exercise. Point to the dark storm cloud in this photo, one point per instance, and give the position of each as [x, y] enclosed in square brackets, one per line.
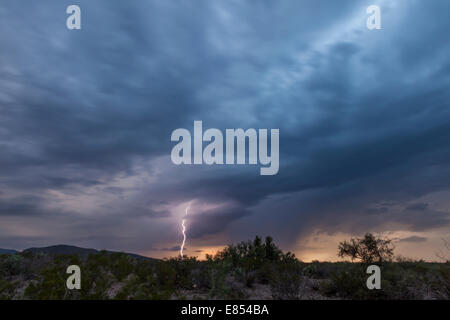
[417, 206]
[214, 221]
[174, 248]
[413, 239]
[363, 115]
[22, 205]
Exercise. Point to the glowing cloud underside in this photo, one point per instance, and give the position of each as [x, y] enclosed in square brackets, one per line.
[183, 228]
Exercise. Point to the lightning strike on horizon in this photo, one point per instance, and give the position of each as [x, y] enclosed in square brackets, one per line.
[183, 228]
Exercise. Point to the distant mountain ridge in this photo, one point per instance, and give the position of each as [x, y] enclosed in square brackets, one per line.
[62, 249]
[67, 249]
[8, 251]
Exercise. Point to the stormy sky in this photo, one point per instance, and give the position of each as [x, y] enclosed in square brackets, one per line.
[86, 118]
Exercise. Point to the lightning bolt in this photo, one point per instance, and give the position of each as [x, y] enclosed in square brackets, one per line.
[183, 228]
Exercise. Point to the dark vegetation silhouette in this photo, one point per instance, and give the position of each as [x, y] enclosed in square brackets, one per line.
[255, 269]
[367, 250]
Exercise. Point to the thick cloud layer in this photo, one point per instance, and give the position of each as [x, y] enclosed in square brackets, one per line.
[86, 118]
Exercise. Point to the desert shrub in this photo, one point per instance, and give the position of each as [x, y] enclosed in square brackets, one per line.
[144, 288]
[96, 277]
[121, 265]
[143, 269]
[7, 289]
[444, 280]
[200, 276]
[264, 273]
[218, 270]
[349, 281]
[232, 290]
[323, 270]
[163, 283]
[368, 250]
[183, 271]
[97, 260]
[412, 279]
[345, 283]
[94, 285]
[400, 283]
[12, 265]
[251, 261]
[99, 271]
[32, 290]
[33, 264]
[318, 270]
[309, 271]
[65, 260]
[152, 288]
[52, 285]
[129, 289]
[226, 275]
[251, 254]
[245, 275]
[286, 279]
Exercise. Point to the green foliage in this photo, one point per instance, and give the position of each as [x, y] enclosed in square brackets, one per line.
[286, 279]
[444, 282]
[7, 289]
[252, 260]
[121, 265]
[250, 255]
[161, 285]
[201, 277]
[349, 282]
[51, 286]
[236, 272]
[399, 281]
[11, 265]
[183, 268]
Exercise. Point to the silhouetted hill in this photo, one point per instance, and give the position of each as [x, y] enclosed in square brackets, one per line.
[62, 249]
[7, 251]
[66, 249]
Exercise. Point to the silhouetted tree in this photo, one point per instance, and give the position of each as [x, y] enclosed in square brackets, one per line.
[368, 249]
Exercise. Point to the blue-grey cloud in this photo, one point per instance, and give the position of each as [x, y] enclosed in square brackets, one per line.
[363, 116]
